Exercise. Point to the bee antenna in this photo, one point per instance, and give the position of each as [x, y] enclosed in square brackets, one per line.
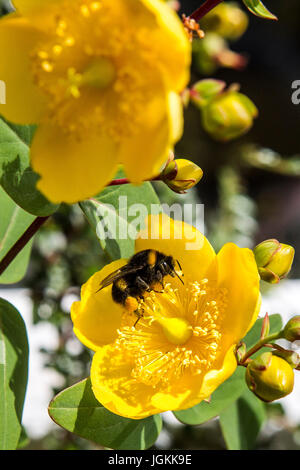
[179, 265]
[178, 276]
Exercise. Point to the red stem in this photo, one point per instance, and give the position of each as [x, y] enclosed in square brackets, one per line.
[204, 9]
[120, 181]
[23, 240]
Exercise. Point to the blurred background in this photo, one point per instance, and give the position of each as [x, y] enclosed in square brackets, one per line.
[250, 191]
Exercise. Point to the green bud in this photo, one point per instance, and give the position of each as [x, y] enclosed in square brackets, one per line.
[205, 90]
[270, 377]
[274, 260]
[181, 175]
[291, 330]
[227, 19]
[228, 115]
[213, 51]
[265, 330]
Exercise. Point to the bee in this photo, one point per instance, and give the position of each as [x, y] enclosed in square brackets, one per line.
[144, 272]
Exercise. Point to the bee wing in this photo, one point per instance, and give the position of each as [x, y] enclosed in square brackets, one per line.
[114, 276]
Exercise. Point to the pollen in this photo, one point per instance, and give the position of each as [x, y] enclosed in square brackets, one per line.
[178, 334]
[114, 70]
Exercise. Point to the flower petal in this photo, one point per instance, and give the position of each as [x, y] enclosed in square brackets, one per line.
[97, 317]
[171, 43]
[114, 387]
[176, 116]
[180, 240]
[26, 7]
[238, 274]
[72, 170]
[24, 102]
[144, 153]
[215, 377]
[191, 390]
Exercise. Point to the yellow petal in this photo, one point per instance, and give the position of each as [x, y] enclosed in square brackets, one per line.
[176, 116]
[238, 274]
[72, 170]
[190, 390]
[27, 7]
[24, 102]
[214, 378]
[114, 387]
[172, 43]
[96, 317]
[144, 153]
[180, 240]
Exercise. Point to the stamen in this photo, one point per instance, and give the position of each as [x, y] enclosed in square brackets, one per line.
[179, 333]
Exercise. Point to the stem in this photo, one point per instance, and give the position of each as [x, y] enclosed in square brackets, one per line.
[204, 9]
[120, 181]
[23, 240]
[259, 345]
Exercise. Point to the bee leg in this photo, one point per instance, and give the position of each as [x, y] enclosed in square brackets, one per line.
[143, 284]
[159, 280]
[139, 315]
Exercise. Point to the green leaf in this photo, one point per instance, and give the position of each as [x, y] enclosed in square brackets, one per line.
[118, 213]
[232, 388]
[24, 439]
[242, 421]
[258, 8]
[77, 410]
[14, 222]
[16, 175]
[13, 374]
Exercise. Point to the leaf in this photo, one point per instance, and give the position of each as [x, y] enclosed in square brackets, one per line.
[77, 410]
[16, 175]
[14, 221]
[242, 421]
[232, 388]
[13, 374]
[258, 8]
[118, 213]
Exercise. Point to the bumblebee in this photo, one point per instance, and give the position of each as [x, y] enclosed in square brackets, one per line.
[144, 272]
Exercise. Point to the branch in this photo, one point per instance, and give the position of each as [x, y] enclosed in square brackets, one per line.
[204, 9]
[21, 243]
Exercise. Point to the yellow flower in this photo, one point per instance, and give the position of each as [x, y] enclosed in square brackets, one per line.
[101, 79]
[183, 347]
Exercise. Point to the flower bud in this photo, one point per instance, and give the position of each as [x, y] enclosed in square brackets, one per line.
[291, 330]
[228, 115]
[204, 90]
[181, 175]
[213, 51]
[227, 19]
[274, 260]
[270, 377]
